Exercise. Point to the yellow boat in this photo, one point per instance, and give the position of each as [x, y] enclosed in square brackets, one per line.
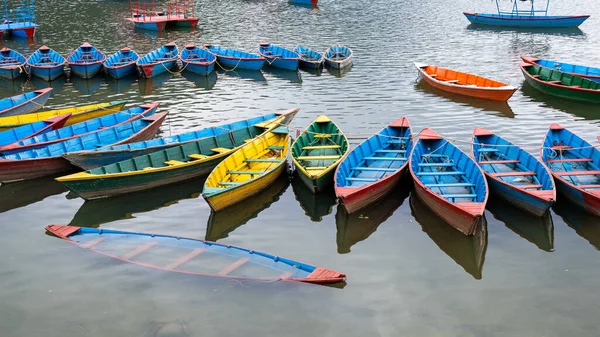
[78, 114]
[249, 170]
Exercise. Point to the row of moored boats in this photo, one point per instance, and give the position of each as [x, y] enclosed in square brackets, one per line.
[87, 61]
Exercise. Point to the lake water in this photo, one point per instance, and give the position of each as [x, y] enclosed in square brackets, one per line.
[408, 273]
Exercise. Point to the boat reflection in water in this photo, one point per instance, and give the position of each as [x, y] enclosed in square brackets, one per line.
[537, 230]
[87, 86]
[245, 74]
[148, 85]
[121, 85]
[584, 110]
[499, 108]
[57, 85]
[94, 213]
[358, 226]
[286, 75]
[220, 224]
[467, 251]
[573, 32]
[27, 192]
[204, 82]
[339, 73]
[14, 86]
[315, 205]
[585, 225]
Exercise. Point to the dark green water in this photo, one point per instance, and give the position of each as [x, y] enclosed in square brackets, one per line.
[408, 273]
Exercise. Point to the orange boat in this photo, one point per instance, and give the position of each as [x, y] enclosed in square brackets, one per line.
[464, 83]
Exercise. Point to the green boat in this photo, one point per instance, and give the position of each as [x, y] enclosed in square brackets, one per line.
[557, 83]
[171, 165]
[317, 152]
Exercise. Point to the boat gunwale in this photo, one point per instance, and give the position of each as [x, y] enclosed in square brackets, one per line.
[528, 17]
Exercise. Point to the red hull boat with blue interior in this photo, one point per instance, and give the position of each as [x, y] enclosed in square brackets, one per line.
[26, 131]
[159, 61]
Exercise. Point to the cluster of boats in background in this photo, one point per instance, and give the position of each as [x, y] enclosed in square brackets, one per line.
[87, 61]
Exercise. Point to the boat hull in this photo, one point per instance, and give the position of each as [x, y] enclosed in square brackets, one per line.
[47, 73]
[526, 21]
[153, 26]
[200, 69]
[516, 197]
[310, 65]
[12, 73]
[338, 65]
[304, 2]
[30, 106]
[587, 201]
[88, 160]
[285, 64]
[155, 69]
[122, 71]
[86, 71]
[232, 64]
[562, 91]
[318, 184]
[360, 198]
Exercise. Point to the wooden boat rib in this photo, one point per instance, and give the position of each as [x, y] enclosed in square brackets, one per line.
[317, 152]
[374, 167]
[575, 166]
[448, 181]
[175, 164]
[232, 59]
[309, 58]
[197, 60]
[102, 156]
[557, 83]
[464, 83]
[220, 260]
[24, 103]
[46, 64]
[12, 64]
[279, 57]
[77, 115]
[338, 57]
[159, 61]
[572, 69]
[86, 61]
[81, 129]
[249, 170]
[122, 63]
[513, 173]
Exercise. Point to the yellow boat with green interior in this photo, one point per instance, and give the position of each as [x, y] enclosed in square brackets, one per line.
[249, 170]
[78, 114]
[317, 152]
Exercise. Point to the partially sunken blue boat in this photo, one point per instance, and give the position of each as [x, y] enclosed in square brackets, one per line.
[121, 63]
[86, 61]
[46, 64]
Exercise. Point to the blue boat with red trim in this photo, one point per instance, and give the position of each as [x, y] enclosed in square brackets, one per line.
[193, 256]
[513, 173]
[46, 64]
[159, 60]
[311, 3]
[12, 64]
[575, 165]
[122, 63]
[24, 103]
[23, 132]
[309, 58]
[86, 61]
[279, 57]
[233, 59]
[198, 60]
[572, 69]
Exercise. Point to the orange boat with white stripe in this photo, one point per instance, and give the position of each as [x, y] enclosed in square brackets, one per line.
[464, 83]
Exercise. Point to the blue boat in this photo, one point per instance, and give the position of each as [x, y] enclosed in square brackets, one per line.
[528, 18]
[307, 3]
[573, 69]
[88, 160]
[279, 57]
[20, 133]
[46, 64]
[193, 256]
[232, 59]
[309, 58]
[159, 60]
[12, 64]
[513, 173]
[86, 61]
[449, 182]
[338, 57]
[197, 60]
[374, 167]
[575, 166]
[24, 103]
[121, 63]
[89, 127]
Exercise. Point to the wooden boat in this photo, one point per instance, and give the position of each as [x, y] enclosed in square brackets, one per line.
[80, 129]
[78, 114]
[30, 130]
[575, 166]
[86, 61]
[528, 18]
[12, 64]
[448, 181]
[24, 103]
[464, 83]
[183, 162]
[122, 63]
[159, 61]
[338, 57]
[249, 170]
[197, 60]
[150, 250]
[102, 156]
[557, 83]
[311, 3]
[309, 58]
[572, 69]
[374, 167]
[317, 152]
[279, 57]
[46, 64]
[232, 59]
[513, 173]
[47, 161]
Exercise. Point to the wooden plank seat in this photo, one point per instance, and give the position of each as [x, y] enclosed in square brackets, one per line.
[315, 168]
[174, 162]
[248, 140]
[375, 169]
[451, 81]
[433, 75]
[262, 160]
[322, 135]
[246, 172]
[318, 147]
[436, 164]
[399, 140]
[196, 59]
[555, 82]
[493, 162]
[488, 149]
[185, 258]
[319, 157]
[227, 270]
[228, 183]
[220, 149]
[275, 147]
[386, 158]
[390, 151]
[457, 196]
[513, 174]
[561, 147]
[451, 185]
[139, 250]
[433, 155]
[370, 180]
[536, 76]
[441, 173]
[574, 160]
[528, 186]
[578, 173]
[198, 156]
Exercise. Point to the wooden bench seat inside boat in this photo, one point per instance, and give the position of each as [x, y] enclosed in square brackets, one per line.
[317, 147]
[385, 158]
[513, 174]
[197, 156]
[574, 160]
[174, 162]
[578, 173]
[220, 150]
[319, 157]
[493, 162]
[246, 172]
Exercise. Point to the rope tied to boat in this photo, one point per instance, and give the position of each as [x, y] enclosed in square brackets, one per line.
[228, 70]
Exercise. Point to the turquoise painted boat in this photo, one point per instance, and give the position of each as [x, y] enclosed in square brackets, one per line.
[573, 69]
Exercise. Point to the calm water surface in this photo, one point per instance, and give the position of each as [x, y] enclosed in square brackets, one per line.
[408, 273]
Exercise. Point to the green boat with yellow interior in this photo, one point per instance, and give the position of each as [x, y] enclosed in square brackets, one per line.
[317, 152]
[557, 83]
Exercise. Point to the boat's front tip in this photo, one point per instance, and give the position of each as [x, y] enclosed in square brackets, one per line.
[420, 65]
[62, 231]
[323, 276]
